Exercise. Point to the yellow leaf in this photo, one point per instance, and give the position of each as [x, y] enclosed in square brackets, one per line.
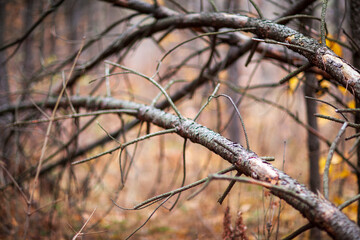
[318, 77]
[326, 110]
[343, 174]
[338, 200]
[322, 163]
[325, 84]
[351, 104]
[334, 46]
[343, 90]
[336, 159]
[293, 83]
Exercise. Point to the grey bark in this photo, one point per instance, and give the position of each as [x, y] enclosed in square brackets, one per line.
[341, 71]
[318, 210]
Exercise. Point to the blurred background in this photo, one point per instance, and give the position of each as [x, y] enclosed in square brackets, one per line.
[275, 114]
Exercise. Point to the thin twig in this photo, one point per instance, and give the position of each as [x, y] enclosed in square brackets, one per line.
[107, 133]
[284, 44]
[352, 110]
[165, 88]
[351, 137]
[213, 5]
[328, 160]
[132, 157]
[296, 16]
[142, 225]
[125, 145]
[184, 174]
[43, 150]
[200, 36]
[307, 127]
[82, 228]
[298, 231]
[95, 113]
[153, 82]
[348, 202]
[14, 181]
[150, 201]
[294, 73]
[353, 125]
[322, 26]
[327, 103]
[228, 189]
[207, 102]
[239, 115]
[257, 9]
[267, 185]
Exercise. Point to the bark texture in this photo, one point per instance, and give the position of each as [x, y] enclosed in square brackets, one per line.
[339, 69]
[315, 208]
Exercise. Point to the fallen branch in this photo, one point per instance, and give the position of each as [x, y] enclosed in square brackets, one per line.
[315, 208]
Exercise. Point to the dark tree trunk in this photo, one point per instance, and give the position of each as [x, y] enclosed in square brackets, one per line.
[313, 143]
[4, 84]
[28, 43]
[312, 140]
[355, 31]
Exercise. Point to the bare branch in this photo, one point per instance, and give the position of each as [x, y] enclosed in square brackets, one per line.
[317, 210]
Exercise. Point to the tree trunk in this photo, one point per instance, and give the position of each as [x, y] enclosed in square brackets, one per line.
[234, 129]
[312, 140]
[313, 144]
[28, 62]
[4, 84]
[355, 31]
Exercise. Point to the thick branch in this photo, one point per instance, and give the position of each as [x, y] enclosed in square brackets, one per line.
[144, 7]
[341, 71]
[316, 209]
